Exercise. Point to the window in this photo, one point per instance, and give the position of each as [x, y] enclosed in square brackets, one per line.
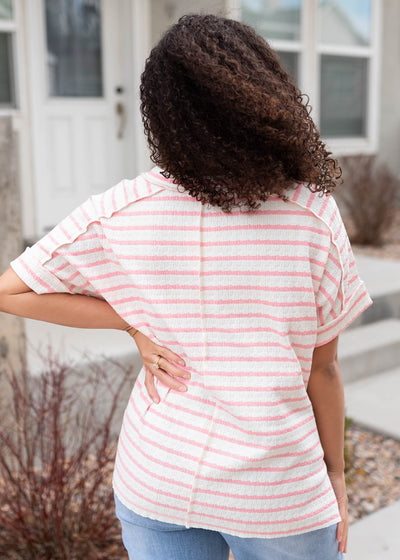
[74, 58]
[279, 22]
[330, 48]
[7, 39]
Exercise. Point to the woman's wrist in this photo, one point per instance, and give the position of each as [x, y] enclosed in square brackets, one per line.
[131, 330]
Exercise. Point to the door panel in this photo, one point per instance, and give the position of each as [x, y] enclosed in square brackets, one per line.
[80, 49]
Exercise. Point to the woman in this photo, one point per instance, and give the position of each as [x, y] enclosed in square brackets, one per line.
[232, 273]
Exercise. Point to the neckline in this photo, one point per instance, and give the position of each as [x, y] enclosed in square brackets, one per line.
[156, 178]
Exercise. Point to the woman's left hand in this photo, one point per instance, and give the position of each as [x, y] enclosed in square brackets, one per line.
[339, 487]
[168, 370]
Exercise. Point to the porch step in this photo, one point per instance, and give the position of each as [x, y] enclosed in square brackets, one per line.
[374, 402]
[382, 278]
[369, 349]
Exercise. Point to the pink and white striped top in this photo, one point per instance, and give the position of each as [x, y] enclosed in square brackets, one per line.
[244, 299]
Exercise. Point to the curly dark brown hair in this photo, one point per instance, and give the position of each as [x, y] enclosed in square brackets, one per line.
[225, 120]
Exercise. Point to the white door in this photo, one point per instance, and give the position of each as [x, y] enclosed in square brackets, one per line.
[83, 110]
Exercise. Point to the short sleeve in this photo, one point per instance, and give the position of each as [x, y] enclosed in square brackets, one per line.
[342, 295]
[65, 259]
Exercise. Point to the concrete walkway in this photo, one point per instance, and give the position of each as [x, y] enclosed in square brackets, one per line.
[377, 536]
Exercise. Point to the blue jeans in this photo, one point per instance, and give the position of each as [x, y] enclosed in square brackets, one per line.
[147, 539]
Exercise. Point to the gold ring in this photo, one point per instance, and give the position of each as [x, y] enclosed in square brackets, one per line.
[156, 363]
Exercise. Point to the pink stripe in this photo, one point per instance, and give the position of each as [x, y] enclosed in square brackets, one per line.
[226, 272]
[240, 330]
[327, 295]
[250, 358]
[323, 207]
[251, 227]
[229, 344]
[216, 287]
[51, 237]
[113, 201]
[85, 214]
[60, 268]
[210, 214]
[297, 192]
[163, 301]
[66, 235]
[310, 199]
[334, 260]
[98, 263]
[125, 192]
[333, 217]
[331, 278]
[73, 220]
[148, 187]
[221, 258]
[43, 248]
[78, 253]
[73, 276]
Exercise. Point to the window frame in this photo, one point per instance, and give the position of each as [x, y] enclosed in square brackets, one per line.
[309, 70]
[9, 26]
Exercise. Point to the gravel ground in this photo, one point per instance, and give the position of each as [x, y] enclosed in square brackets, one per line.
[374, 478]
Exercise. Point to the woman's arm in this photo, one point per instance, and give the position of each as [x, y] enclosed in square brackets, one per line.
[325, 390]
[75, 310]
[89, 313]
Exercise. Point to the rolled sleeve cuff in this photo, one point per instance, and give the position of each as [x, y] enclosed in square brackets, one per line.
[35, 275]
[358, 303]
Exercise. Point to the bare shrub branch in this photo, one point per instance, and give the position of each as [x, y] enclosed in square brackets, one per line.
[57, 448]
[370, 191]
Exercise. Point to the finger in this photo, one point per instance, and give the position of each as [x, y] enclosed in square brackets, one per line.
[341, 536]
[150, 386]
[170, 381]
[169, 355]
[172, 369]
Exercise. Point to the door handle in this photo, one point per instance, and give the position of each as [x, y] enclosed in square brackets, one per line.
[120, 110]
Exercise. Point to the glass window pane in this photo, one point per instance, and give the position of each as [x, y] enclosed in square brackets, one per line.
[290, 61]
[6, 70]
[343, 99]
[344, 22]
[6, 9]
[73, 29]
[273, 19]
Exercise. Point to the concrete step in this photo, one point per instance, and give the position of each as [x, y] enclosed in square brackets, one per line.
[382, 278]
[369, 349]
[374, 402]
[376, 537]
